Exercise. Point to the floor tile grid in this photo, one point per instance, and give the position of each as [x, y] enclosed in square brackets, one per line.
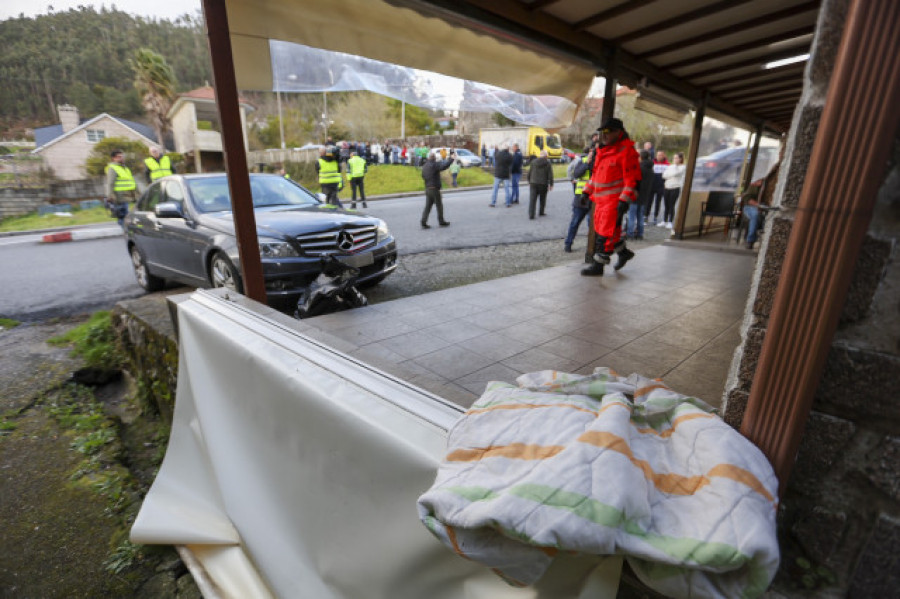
[545, 320]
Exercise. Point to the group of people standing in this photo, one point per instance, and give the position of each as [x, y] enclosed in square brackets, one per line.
[121, 187]
[660, 186]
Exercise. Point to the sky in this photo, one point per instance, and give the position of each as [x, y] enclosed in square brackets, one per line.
[162, 9]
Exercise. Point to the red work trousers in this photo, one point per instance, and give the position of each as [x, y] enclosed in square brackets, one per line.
[607, 223]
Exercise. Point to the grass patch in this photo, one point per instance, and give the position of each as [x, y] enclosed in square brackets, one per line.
[94, 341]
[8, 323]
[31, 222]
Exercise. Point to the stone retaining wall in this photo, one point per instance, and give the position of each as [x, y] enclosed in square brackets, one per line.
[840, 516]
[21, 201]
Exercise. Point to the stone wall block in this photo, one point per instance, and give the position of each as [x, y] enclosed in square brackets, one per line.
[750, 357]
[819, 531]
[883, 467]
[867, 275]
[878, 570]
[861, 385]
[779, 233]
[799, 155]
[735, 406]
[823, 444]
[824, 50]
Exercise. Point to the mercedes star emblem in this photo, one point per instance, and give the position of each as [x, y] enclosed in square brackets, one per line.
[345, 241]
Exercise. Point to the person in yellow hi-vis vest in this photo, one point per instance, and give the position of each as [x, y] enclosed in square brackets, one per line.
[120, 185]
[356, 168]
[157, 167]
[330, 179]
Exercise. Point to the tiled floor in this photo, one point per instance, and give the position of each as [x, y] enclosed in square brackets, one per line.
[674, 313]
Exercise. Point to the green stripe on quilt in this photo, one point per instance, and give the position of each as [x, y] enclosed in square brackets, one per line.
[717, 555]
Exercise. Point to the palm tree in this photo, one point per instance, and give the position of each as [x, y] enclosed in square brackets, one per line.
[155, 81]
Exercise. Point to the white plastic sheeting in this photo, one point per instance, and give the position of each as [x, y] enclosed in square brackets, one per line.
[299, 68]
[293, 471]
[410, 34]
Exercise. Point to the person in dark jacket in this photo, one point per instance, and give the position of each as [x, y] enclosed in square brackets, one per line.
[502, 167]
[540, 180]
[431, 174]
[645, 193]
[515, 172]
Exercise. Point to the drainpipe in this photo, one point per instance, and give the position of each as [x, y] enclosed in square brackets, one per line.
[848, 162]
[691, 161]
[233, 142]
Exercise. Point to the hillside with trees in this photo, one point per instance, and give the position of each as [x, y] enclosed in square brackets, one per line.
[83, 57]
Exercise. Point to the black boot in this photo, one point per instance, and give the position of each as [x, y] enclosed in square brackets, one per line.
[594, 270]
[624, 256]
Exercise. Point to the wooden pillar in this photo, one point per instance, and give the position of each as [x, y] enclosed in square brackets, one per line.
[847, 164]
[690, 163]
[609, 108]
[754, 154]
[233, 144]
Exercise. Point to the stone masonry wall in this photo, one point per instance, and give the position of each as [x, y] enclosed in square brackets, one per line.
[16, 202]
[839, 521]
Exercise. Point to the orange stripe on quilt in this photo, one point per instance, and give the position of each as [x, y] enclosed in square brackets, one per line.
[451, 534]
[674, 484]
[516, 451]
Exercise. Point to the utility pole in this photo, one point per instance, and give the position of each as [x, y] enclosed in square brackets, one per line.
[325, 115]
[402, 119]
[280, 119]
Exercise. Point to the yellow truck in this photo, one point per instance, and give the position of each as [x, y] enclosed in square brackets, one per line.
[531, 141]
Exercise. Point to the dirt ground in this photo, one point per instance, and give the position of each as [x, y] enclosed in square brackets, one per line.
[59, 532]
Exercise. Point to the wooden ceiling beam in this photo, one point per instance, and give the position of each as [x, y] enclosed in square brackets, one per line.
[677, 21]
[750, 62]
[762, 90]
[755, 44]
[730, 29]
[753, 83]
[797, 68]
[612, 13]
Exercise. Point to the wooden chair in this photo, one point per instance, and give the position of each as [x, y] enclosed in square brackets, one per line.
[720, 204]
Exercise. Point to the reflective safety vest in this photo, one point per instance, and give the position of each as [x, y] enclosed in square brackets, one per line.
[160, 169]
[357, 167]
[579, 184]
[124, 178]
[329, 172]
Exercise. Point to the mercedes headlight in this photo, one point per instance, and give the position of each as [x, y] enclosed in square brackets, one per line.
[382, 231]
[274, 248]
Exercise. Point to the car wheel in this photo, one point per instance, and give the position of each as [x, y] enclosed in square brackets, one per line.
[144, 278]
[222, 273]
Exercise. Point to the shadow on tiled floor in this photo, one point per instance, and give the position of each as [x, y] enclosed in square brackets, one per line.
[673, 313]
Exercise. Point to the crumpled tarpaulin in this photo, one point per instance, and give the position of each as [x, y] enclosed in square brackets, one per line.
[568, 463]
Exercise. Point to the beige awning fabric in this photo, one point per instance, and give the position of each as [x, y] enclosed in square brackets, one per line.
[382, 31]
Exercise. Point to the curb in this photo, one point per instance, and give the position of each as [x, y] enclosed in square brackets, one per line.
[79, 235]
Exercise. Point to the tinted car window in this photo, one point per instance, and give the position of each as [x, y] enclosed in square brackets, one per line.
[212, 194]
[150, 199]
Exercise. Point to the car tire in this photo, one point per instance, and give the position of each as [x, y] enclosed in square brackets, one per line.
[222, 273]
[146, 280]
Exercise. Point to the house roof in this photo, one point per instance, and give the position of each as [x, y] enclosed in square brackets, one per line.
[46, 136]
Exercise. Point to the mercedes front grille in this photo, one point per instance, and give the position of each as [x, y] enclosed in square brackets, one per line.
[347, 240]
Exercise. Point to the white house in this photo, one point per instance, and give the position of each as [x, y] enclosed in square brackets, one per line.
[196, 128]
[65, 147]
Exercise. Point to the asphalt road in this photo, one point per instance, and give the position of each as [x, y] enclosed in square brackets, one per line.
[41, 281]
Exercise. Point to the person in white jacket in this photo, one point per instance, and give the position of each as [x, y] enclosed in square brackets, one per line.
[673, 178]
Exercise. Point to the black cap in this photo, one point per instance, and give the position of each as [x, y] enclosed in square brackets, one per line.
[611, 124]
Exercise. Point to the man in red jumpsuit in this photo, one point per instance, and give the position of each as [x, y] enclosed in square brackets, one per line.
[612, 186]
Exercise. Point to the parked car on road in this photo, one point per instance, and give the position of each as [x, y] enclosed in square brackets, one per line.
[465, 157]
[722, 169]
[182, 230]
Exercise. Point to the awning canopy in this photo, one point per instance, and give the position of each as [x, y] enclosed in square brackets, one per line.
[693, 49]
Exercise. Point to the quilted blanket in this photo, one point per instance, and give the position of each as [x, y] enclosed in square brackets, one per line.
[601, 465]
